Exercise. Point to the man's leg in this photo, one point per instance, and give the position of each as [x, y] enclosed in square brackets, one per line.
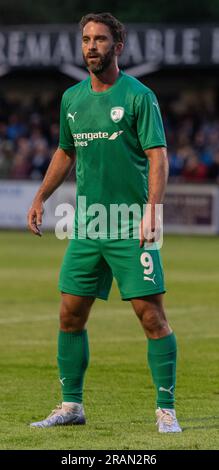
[73, 357]
[73, 348]
[162, 351]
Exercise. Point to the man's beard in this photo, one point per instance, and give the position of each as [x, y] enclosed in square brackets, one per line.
[103, 62]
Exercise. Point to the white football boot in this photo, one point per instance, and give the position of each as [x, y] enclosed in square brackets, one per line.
[63, 415]
[166, 420]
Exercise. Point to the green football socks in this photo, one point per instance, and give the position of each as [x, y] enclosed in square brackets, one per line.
[162, 362]
[73, 358]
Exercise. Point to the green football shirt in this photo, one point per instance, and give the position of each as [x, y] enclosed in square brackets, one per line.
[109, 131]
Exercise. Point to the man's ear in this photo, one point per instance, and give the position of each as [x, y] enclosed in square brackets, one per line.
[119, 48]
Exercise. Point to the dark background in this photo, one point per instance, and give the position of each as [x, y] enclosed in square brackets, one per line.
[65, 11]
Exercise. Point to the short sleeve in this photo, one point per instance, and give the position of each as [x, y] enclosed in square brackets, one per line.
[149, 121]
[66, 141]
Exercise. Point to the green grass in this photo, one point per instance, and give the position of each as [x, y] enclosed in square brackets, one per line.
[119, 395]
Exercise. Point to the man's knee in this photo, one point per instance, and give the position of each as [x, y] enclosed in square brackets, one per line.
[151, 314]
[150, 317]
[74, 312]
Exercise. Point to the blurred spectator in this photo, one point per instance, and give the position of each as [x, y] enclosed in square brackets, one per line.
[6, 158]
[194, 171]
[54, 134]
[213, 171]
[20, 167]
[3, 131]
[37, 138]
[15, 127]
[40, 161]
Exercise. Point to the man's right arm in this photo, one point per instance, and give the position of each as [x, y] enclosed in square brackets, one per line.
[59, 168]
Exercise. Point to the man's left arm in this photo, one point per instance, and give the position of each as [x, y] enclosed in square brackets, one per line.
[157, 180]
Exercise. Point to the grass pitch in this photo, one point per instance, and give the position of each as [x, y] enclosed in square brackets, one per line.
[119, 397]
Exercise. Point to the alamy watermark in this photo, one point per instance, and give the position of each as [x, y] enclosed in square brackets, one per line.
[115, 221]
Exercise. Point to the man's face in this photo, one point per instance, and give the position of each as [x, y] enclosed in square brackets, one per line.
[98, 47]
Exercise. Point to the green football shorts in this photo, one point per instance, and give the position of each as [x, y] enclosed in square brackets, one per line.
[89, 266]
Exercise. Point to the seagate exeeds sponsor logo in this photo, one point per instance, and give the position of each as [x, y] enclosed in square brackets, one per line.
[115, 135]
[84, 138]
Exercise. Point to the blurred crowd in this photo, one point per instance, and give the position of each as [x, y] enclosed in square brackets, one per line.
[193, 147]
[29, 136]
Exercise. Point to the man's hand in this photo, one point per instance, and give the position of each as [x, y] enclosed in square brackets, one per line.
[145, 234]
[149, 228]
[34, 218]
[146, 230]
[59, 167]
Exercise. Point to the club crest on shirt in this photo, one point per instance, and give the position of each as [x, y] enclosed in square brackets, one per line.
[117, 113]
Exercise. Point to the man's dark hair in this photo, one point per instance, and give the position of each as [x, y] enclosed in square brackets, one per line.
[116, 28]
